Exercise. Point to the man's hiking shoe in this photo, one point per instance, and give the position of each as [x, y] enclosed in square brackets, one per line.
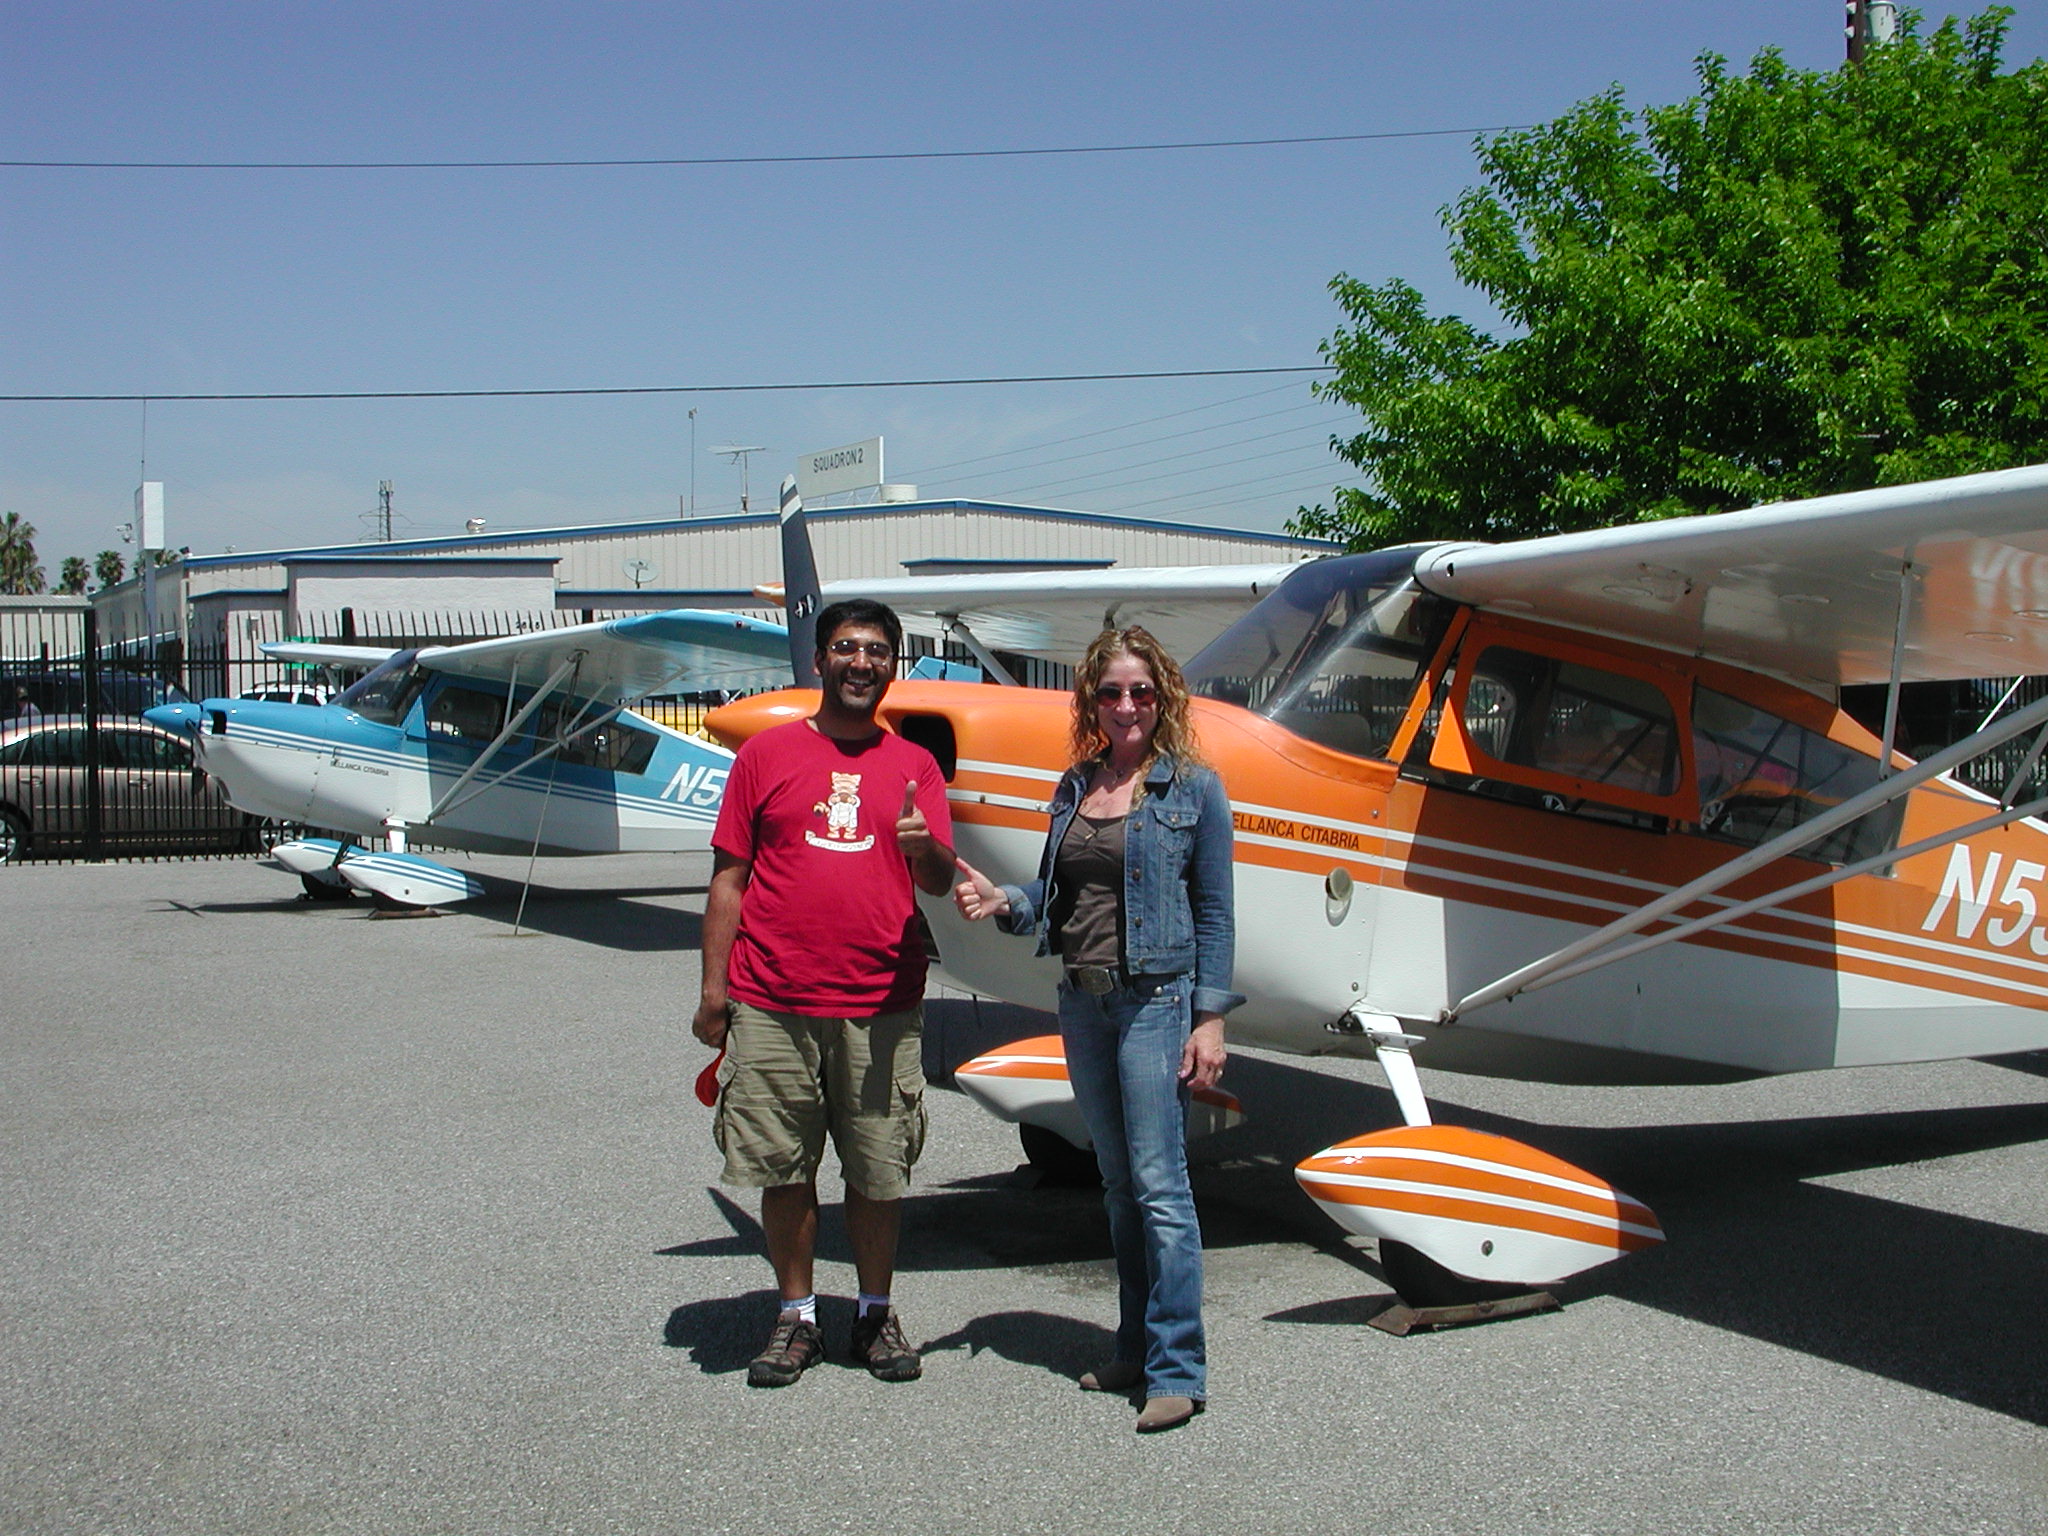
[878, 1344]
[793, 1348]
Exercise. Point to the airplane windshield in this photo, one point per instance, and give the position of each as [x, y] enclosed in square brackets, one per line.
[385, 694]
[1334, 654]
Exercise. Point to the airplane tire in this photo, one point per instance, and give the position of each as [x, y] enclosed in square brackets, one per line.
[1058, 1160]
[1422, 1282]
[320, 890]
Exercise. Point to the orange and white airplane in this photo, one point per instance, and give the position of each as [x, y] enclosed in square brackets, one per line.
[1579, 809]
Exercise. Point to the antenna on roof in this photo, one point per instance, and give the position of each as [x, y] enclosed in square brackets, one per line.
[738, 453]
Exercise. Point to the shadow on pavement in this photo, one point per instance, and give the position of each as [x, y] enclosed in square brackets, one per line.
[1064, 1346]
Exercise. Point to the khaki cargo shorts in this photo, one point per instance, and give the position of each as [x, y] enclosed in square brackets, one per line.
[789, 1078]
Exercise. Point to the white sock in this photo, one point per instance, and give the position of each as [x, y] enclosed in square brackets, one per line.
[872, 1303]
[805, 1307]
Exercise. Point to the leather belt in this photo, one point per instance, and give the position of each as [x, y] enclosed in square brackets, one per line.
[1095, 979]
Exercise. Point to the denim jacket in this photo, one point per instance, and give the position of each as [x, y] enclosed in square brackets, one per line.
[1178, 913]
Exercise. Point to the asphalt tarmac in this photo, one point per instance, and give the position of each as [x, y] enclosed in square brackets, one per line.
[319, 1223]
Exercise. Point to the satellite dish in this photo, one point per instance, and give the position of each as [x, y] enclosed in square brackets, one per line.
[639, 572]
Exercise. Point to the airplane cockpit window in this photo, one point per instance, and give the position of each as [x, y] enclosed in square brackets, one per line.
[1586, 723]
[1333, 654]
[385, 694]
[1760, 775]
[465, 714]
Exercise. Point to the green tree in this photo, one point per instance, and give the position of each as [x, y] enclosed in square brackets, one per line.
[21, 573]
[74, 575]
[1792, 283]
[108, 567]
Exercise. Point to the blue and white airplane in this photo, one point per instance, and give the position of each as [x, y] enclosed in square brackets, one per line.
[519, 744]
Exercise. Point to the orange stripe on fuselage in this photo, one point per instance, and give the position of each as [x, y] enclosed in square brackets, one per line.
[1466, 848]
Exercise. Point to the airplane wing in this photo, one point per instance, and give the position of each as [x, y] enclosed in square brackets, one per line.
[1054, 615]
[1808, 590]
[680, 650]
[349, 658]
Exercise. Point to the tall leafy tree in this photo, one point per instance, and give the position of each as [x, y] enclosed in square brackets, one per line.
[21, 572]
[73, 576]
[1792, 283]
[108, 567]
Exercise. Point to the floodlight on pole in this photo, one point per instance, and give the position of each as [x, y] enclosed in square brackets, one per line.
[738, 453]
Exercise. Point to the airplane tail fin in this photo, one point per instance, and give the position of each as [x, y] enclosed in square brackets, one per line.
[799, 587]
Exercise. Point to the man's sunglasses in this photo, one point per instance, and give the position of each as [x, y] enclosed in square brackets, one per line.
[874, 650]
[1141, 694]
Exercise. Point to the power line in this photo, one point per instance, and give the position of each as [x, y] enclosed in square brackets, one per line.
[671, 389]
[1185, 470]
[908, 154]
[1106, 431]
[925, 478]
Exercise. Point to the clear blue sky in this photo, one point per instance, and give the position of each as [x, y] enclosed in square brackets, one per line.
[124, 281]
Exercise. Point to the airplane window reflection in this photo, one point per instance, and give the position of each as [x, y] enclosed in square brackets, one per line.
[613, 744]
[1333, 655]
[1761, 775]
[385, 694]
[1584, 722]
[464, 714]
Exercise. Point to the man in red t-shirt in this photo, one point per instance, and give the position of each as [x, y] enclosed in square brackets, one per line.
[814, 966]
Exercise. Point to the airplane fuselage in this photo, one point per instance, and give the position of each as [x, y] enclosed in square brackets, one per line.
[1400, 883]
[633, 786]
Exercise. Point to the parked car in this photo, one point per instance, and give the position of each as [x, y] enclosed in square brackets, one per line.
[150, 797]
[287, 693]
[61, 691]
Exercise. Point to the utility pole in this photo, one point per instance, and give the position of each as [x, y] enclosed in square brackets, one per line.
[1866, 22]
[693, 461]
[384, 511]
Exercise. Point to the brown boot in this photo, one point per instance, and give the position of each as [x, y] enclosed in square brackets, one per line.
[1117, 1376]
[1167, 1413]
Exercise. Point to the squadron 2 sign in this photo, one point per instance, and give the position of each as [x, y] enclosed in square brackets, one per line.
[834, 471]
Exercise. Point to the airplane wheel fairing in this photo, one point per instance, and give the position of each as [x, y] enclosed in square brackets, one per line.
[1484, 1207]
[13, 838]
[1057, 1159]
[1422, 1282]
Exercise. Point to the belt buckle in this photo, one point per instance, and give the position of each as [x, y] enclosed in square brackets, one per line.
[1095, 980]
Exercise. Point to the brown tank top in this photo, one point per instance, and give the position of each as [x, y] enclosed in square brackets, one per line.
[1089, 871]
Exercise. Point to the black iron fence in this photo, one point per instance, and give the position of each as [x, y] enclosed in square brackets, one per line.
[84, 776]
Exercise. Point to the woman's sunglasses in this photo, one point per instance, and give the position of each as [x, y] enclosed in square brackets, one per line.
[1141, 694]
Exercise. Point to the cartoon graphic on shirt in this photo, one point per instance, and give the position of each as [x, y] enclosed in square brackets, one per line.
[841, 810]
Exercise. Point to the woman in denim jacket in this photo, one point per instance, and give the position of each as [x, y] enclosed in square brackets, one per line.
[1134, 894]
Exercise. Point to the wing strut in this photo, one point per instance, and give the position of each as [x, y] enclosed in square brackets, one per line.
[956, 630]
[1880, 794]
[1891, 696]
[511, 728]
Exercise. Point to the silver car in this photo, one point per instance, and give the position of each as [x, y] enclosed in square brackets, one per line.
[150, 798]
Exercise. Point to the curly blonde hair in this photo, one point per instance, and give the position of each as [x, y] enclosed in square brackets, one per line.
[1176, 730]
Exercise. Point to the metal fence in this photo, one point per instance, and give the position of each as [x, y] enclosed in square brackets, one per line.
[84, 777]
[82, 774]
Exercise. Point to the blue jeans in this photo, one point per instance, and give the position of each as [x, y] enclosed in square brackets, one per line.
[1123, 1057]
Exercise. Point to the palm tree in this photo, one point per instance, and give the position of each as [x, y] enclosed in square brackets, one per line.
[109, 567]
[20, 572]
[75, 575]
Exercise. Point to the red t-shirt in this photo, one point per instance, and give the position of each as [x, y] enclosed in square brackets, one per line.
[828, 923]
